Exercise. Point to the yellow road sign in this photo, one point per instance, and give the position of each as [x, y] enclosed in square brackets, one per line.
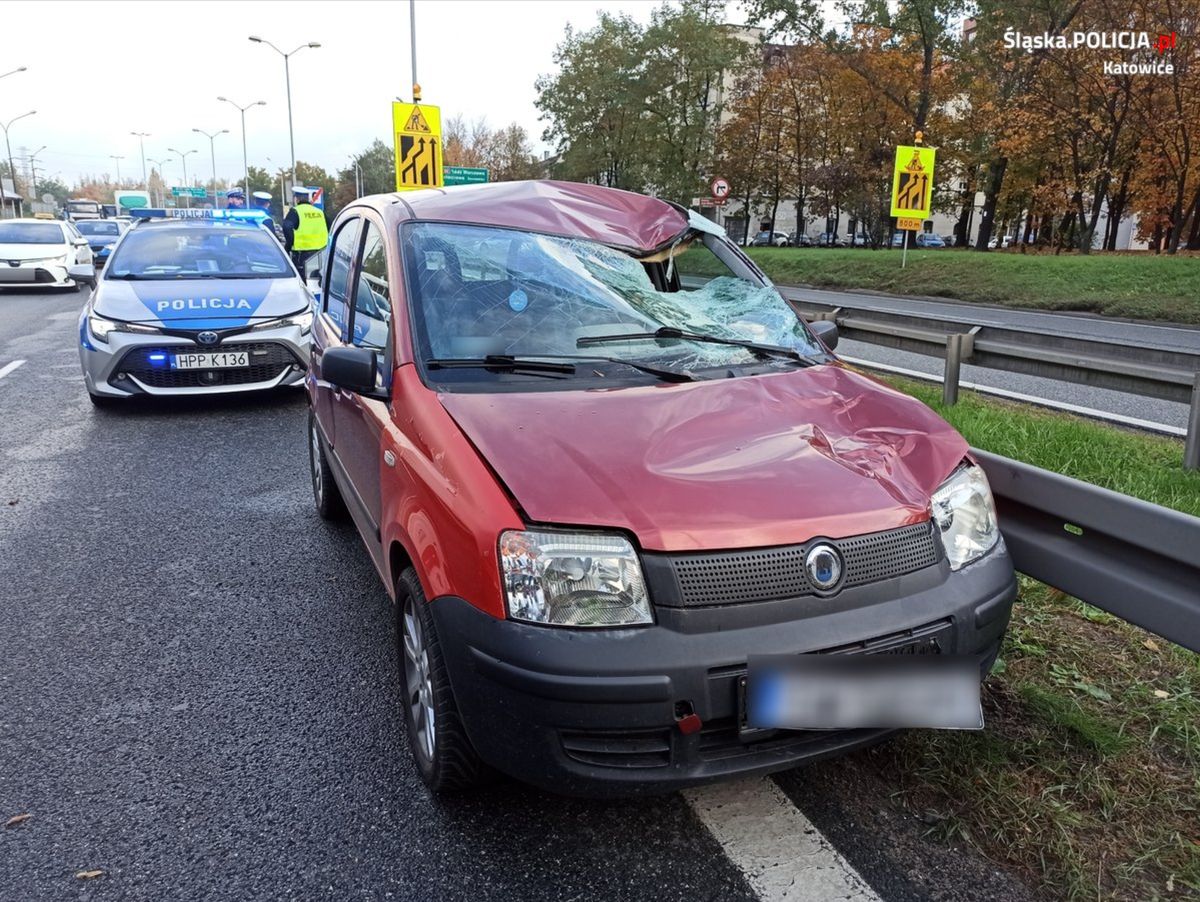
[909, 225]
[912, 182]
[418, 133]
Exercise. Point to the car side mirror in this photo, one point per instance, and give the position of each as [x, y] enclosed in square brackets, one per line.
[79, 242]
[350, 368]
[827, 331]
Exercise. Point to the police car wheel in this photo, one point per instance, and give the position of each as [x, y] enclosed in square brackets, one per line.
[445, 758]
[326, 494]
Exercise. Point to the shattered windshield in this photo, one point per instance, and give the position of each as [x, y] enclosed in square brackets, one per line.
[480, 291]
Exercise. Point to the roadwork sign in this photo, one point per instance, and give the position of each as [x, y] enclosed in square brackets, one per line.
[418, 135]
[909, 225]
[912, 182]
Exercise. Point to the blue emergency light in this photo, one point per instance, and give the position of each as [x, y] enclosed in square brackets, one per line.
[247, 215]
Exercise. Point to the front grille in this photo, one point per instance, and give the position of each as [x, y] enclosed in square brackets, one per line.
[619, 748]
[770, 574]
[268, 360]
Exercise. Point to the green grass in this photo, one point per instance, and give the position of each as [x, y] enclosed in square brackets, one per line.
[1141, 286]
[1087, 778]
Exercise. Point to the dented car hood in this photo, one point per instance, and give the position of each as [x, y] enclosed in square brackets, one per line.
[728, 463]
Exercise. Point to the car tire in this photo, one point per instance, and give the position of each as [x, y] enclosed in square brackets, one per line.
[445, 758]
[326, 494]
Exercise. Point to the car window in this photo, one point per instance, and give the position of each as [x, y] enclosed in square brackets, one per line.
[198, 252]
[372, 301]
[30, 233]
[99, 227]
[337, 286]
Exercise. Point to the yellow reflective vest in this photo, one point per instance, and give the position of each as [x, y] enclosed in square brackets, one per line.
[312, 234]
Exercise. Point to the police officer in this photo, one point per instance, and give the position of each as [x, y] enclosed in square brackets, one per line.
[235, 198]
[304, 230]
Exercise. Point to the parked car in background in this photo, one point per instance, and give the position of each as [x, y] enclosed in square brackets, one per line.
[562, 449]
[861, 239]
[800, 239]
[829, 239]
[48, 252]
[101, 234]
[898, 239]
[929, 240]
[768, 238]
[948, 240]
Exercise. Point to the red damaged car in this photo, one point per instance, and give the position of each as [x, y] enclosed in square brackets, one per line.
[642, 528]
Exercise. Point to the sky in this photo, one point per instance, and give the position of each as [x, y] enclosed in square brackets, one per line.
[117, 67]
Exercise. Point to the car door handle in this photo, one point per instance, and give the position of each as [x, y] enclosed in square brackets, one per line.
[389, 458]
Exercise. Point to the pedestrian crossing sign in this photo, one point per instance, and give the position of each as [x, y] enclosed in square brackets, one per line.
[912, 182]
[418, 135]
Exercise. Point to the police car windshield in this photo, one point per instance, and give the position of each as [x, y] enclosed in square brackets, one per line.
[198, 252]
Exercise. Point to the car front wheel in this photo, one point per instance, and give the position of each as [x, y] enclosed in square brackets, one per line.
[444, 756]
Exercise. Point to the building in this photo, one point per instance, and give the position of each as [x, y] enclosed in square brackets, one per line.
[13, 204]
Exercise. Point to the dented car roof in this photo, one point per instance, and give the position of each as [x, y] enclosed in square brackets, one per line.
[569, 209]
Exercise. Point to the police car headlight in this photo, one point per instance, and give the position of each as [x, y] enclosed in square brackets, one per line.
[572, 579]
[303, 320]
[99, 326]
[965, 514]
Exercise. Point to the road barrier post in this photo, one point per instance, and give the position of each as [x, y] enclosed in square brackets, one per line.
[1191, 446]
[954, 353]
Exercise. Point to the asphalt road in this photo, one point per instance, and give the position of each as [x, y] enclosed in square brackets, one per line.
[1176, 338]
[198, 695]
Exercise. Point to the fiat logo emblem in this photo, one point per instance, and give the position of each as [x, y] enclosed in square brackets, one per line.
[824, 566]
[208, 338]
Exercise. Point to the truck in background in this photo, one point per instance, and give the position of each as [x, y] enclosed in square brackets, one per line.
[83, 208]
[130, 200]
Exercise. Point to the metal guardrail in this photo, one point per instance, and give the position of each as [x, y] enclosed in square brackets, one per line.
[1139, 370]
[1131, 558]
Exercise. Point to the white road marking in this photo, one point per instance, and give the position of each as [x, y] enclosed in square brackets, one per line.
[9, 367]
[785, 857]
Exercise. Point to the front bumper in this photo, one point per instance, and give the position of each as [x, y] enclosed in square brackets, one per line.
[121, 368]
[31, 275]
[595, 712]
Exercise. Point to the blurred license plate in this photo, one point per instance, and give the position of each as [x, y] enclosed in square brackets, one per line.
[217, 360]
[846, 692]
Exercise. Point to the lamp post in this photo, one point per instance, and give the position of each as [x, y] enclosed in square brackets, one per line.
[142, 136]
[212, 144]
[116, 159]
[287, 74]
[162, 200]
[12, 170]
[245, 163]
[12, 173]
[183, 154]
[14, 71]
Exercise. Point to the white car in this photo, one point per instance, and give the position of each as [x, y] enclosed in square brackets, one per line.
[44, 252]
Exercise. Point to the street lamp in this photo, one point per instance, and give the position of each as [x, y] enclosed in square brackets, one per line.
[14, 71]
[162, 200]
[287, 74]
[116, 159]
[183, 159]
[245, 164]
[142, 136]
[12, 170]
[212, 144]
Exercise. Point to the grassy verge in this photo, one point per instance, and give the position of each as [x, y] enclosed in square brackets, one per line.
[1087, 778]
[1138, 287]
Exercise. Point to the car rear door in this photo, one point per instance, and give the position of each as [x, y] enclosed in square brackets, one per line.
[330, 324]
[359, 421]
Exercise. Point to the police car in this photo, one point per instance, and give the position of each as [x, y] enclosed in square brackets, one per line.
[195, 302]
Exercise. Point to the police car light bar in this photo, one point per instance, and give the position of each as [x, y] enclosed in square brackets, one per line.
[258, 216]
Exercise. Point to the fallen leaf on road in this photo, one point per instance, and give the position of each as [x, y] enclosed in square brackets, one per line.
[17, 819]
[12, 503]
[1161, 693]
[88, 875]
[1151, 644]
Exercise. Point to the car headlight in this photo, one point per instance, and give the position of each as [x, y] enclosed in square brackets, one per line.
[100, 326]
[965, 514]
[572, 579]
[303, 319]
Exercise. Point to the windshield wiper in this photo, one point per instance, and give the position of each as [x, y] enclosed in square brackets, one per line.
[672, 332]
[500, 362]
[544, 363]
